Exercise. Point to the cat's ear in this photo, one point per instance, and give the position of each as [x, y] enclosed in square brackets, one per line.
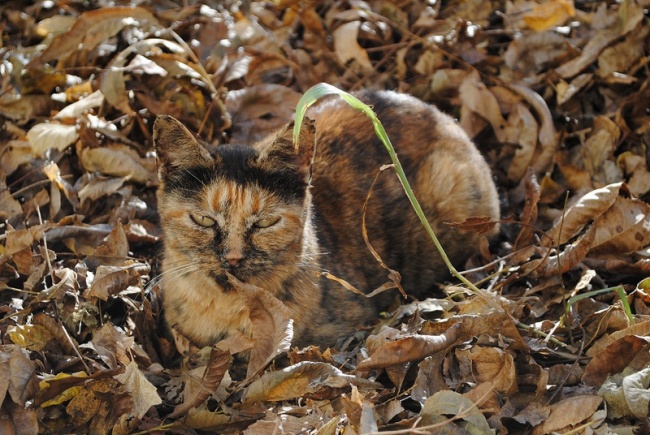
[176, 147]
[281, 153]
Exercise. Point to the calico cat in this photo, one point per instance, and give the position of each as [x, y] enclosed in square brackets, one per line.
[278, 219]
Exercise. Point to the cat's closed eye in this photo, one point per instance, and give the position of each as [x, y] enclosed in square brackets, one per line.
[203, 221]
[265, 223]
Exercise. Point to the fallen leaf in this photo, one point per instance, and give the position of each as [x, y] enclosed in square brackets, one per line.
[32, 337]
[409, 348]
[348, 49]
[627, 394]
[143, 393]
[522, 130]
[93, 27]
[118, 161]
[212, 377]
[23, 383]
[450, 403]
[271, 324]
[477, 98]
[583, 212]
[82, 106]
[613, 359]
[569, 412]
[304, 378]
[47, 135]
[487, 364]
[549, 14]
[110, 280]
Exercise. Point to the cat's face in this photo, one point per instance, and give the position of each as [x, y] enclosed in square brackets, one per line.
[241, 211]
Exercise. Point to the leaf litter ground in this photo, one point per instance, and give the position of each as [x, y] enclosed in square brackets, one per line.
[556, 95]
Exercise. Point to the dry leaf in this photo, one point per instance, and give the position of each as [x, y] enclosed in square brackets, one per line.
[110, 280]
[587, 208]
[348, 49]
[627, 394]
[270, 322]
[23, 383]
[409, 348]
[477, 98]
[614, 358]
[143, 393]
[305, 378]
[549, 14]
[448, 403]
[569, 412]
[212, 377]
[32, 337]
[118, 161]
[81, 107]
[485, 364]
[48, 135]
[93, 27]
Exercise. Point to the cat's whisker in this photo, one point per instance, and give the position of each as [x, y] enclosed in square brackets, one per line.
[176, 270]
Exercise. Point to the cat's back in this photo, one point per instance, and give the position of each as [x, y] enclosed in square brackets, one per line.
[448, 174]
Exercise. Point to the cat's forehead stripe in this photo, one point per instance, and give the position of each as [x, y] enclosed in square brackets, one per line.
[232, 195]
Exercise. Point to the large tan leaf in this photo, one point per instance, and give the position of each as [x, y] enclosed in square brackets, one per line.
[446, 404]
[114, 251]
[600, 40]
[117, 161]
[48, 135]
[347, 48]
[110, 280]
[624, 228]
[583, 212]
[271, 324]
[549, 14]
[143, 393]
[477, 98]
[620, 57]
[299, 380]
[98, 187]
[570, 257]
[410, 348]
[641, 329]
[92, 28]
[23, 383]
[488, 364]
[547, 137]
[569, 412]
[522, 130]
[213, 374]
[628, 394]
[614, 358]
[77, 109]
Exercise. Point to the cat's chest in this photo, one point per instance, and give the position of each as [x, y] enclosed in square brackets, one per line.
[200, 310]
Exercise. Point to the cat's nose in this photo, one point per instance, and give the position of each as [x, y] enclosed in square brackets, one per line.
[234, 258]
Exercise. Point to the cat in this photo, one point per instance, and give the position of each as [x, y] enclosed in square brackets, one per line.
[277, 219]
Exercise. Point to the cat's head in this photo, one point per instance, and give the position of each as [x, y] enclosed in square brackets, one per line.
[240, 210]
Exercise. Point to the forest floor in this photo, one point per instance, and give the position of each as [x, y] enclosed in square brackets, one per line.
[556, 94]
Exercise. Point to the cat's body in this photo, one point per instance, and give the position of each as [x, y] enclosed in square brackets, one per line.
[247, 210]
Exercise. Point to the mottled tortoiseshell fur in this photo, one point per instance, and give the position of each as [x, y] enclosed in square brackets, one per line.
[318, 228]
